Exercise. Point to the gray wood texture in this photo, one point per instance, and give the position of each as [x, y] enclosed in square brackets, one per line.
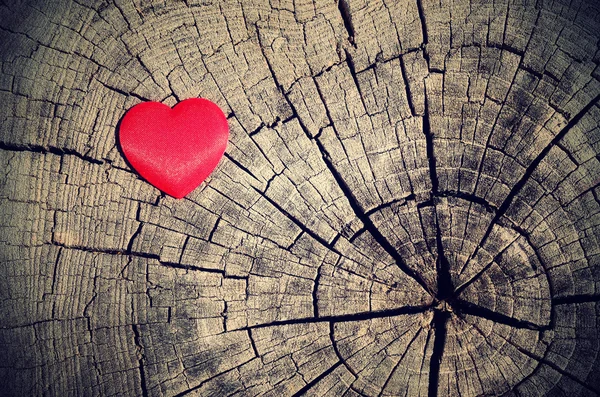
[409, 204]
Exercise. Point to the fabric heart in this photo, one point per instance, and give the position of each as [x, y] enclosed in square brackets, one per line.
[174, 149]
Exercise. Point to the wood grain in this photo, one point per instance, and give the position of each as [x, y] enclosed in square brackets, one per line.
[409, 204]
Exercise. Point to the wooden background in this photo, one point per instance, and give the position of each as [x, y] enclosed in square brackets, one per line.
[409, 204]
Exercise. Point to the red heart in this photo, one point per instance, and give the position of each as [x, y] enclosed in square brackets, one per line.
[174, 149]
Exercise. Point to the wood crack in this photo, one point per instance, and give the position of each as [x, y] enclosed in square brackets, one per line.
[346, 15]
[316, 380]
[543, 360]
[439, 321]
[140, 348]
[464, 307]
[528, 173]
[401, 311]
[381, 240]
[48, 149]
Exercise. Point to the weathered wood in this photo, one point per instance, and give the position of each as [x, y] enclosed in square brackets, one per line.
[409, 204]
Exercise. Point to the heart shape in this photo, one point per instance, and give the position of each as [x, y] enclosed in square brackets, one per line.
[174, 149]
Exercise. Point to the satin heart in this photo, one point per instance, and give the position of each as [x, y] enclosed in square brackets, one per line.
[174, 149]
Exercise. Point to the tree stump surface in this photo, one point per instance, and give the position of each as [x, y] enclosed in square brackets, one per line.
[409, 204]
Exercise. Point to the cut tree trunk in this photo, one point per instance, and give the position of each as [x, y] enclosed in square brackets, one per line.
[409, 204]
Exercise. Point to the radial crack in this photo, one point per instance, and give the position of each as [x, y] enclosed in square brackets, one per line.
[440, 319]
[48, 149]
[404, 310]
[316, 380]
[377, 235]
[399, 361]
[240, 166]
[409, 94]
[423, 21]
[142, 357]
[526, 175]
[296, 221]
[429, 142]
[483, 312]
[543, 360]
[444, 280]
[314, 293]
[344, 8]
